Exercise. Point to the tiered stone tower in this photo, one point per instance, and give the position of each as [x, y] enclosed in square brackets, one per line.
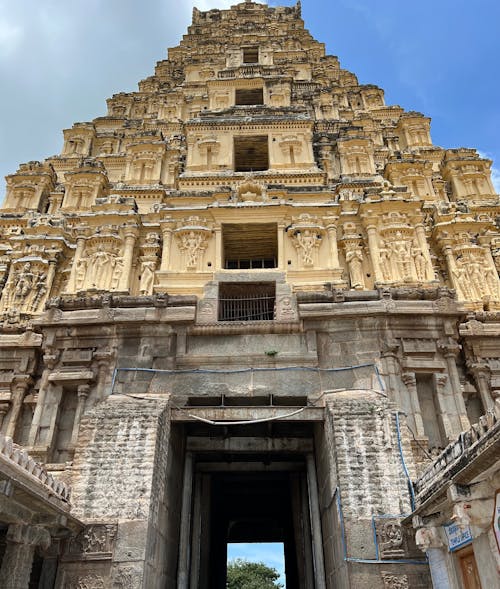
[252, 236]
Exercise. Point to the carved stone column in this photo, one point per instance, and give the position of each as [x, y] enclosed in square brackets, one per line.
[331, 229]
[281, 247]
[83, 392]
[130, 234]
[441, 380]
[103, 359]
[411, 384]
[450, 350]
[18, 558]
[424, 248]
[167, 227]
[80, 247]
[20, 385]
[481, 374]
[371, 231]
[390, 355]
[50, 360]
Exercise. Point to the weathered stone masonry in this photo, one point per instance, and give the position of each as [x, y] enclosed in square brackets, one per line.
[216, 248]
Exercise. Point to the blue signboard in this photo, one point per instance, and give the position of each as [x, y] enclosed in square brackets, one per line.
[458, 536]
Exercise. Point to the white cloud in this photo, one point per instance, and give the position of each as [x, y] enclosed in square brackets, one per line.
[10, 37]
[495, 176]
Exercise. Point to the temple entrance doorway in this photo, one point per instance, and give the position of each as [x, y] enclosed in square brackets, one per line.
[249, 489]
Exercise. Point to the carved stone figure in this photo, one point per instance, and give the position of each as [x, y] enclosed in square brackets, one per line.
[147, 277]
[305, 242]
[354, 259]
[192, 244]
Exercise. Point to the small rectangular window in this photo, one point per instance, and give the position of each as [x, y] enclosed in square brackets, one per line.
[249, 97]
[251, 154]
[250, 55]
[247, 301]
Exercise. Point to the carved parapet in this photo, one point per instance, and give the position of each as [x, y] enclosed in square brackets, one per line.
[16, 455]
[29, 187]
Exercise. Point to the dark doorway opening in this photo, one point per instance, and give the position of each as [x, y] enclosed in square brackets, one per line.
[251, 154]
[249, 96]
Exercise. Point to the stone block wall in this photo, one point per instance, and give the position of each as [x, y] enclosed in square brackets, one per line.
[364, 494]
[119, 481]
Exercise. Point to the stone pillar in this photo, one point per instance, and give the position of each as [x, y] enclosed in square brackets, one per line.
[4, 409]
[281, 247]
[20, 385]
[103, 359]
[166, 228]
[481, 373]
[441, 380]
[390, 355]
[371, 231]
[51, 275]
[18, 558]
[83, 392]
[424, 248]
[411, 384]
[128, 256]
[450, 350]
[80, 246]
[50, 360]
[331, 228]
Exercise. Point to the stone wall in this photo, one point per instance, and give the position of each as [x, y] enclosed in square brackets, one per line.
[364, 494]
[122, 455]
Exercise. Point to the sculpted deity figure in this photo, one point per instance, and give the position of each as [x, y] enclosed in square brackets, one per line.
[102, 267]
[491, 280]
[147, 277]
[81, 271]
[420, 264]
[354, 259]
[400, 250]
[192, 242]
[385, 266]
[305, 243]
[24, 283]
[40, 290]
[462, 279]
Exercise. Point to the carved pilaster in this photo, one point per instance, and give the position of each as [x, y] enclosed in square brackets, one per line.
[167, 227]
[19, 385]
[410, 381]
[481, 373]
[450, 350]
[130, 236]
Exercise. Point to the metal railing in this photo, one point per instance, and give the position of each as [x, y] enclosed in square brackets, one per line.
[250, 307]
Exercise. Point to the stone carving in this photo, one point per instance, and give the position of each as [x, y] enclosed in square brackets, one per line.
[26, 287]
[100, 270]
[306, 242]
[474, 278]
[392, 581]
[148, 268]
[127, 578]
[90, 581]
[193, 241]
[390, 534]
[97, 540]
[354, 259]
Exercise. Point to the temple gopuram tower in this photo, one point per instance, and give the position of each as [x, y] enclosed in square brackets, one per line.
[250, 303]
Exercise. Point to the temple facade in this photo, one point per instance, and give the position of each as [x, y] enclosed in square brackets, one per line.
[250, 303]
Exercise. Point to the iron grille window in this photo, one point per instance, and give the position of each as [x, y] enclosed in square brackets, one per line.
[247, 301]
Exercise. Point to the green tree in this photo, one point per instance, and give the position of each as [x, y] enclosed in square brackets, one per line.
[242, 574]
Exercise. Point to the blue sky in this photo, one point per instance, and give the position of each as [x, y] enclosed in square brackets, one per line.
[60, 60]
[269, 553]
